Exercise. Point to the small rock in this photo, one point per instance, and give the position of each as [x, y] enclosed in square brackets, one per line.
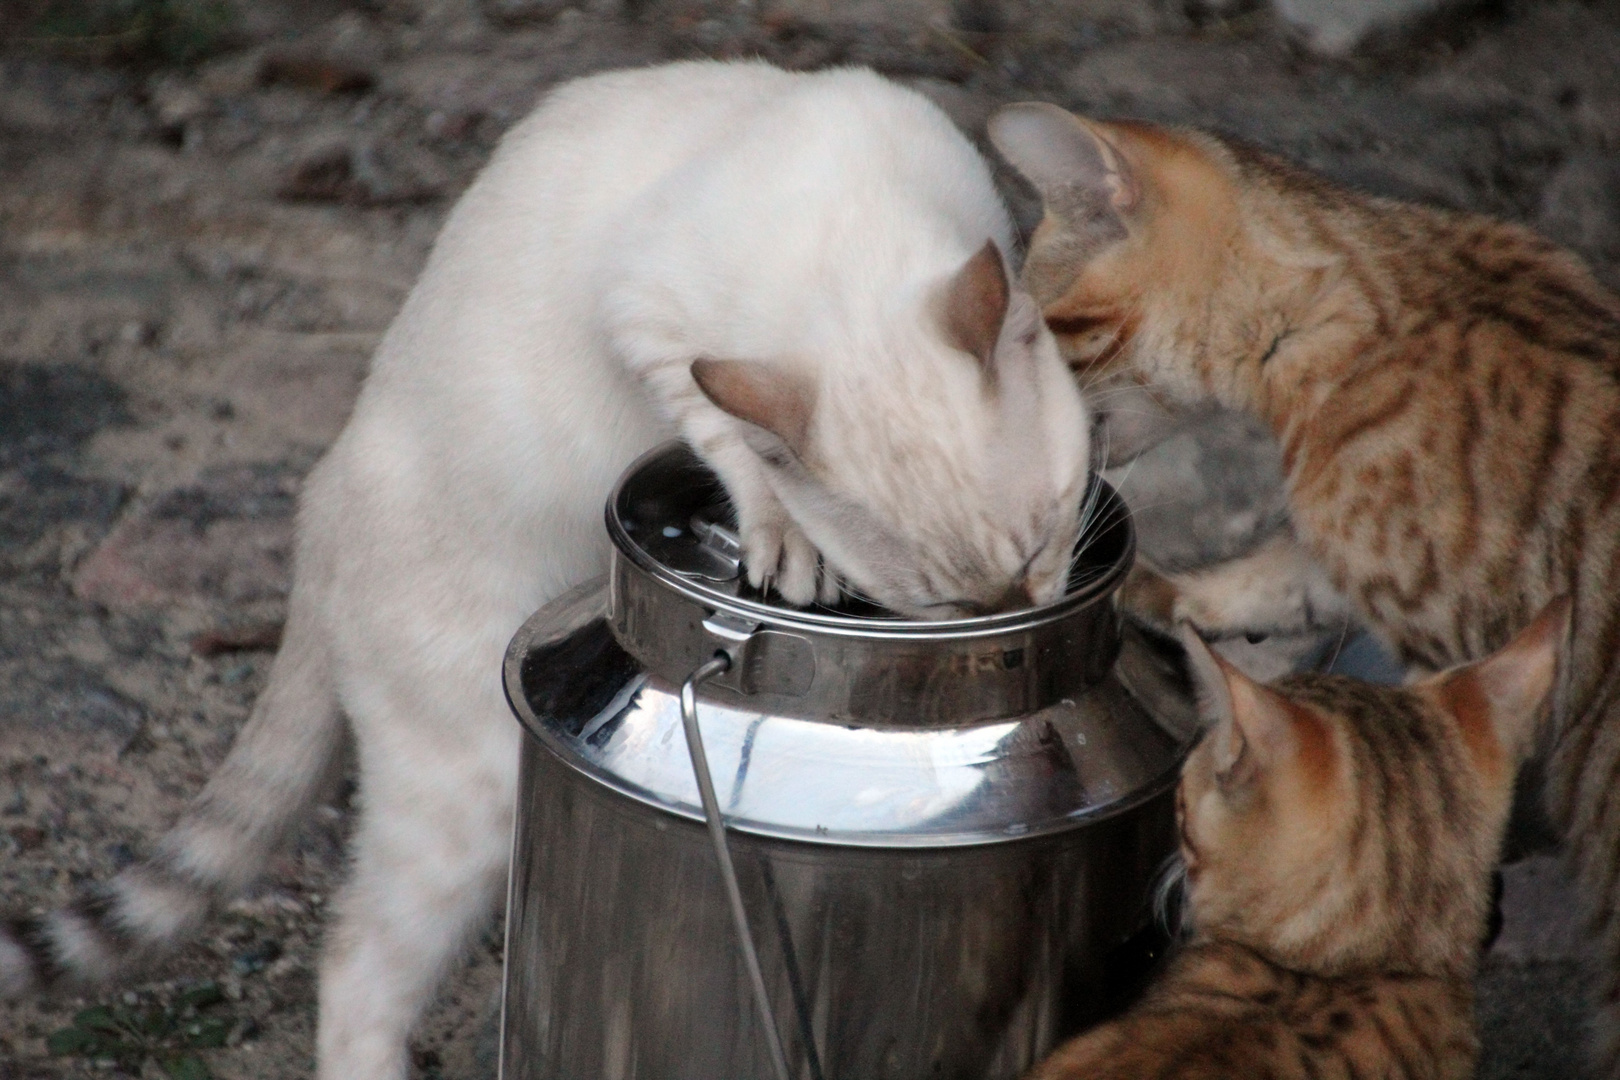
[340, 57]
[233, 75]
[27, 837]
[283, 967]
[904, 13]
[137, 332]
[264, 904]
[365, 175]
[177, 102]
[1337, 26]
[514, 13]
[77, 700]
[238, 639]
[327, 74]
[452, 125]
[257, 957]
[246, 1028]
[322, 175]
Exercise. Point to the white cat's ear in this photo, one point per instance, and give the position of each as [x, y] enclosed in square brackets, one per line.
[1251, 726]
[1506, 690]
[767, 395]
[976, 304]
[1072, 162]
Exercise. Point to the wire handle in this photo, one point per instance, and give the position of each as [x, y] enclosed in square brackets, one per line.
[728, 873]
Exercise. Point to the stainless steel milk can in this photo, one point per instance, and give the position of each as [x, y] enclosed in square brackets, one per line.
[928, 846]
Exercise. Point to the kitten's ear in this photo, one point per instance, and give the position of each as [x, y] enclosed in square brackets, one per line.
[1072, 162]
[976, 304]
[1507, 689]
[1250, 724]
[766, 395]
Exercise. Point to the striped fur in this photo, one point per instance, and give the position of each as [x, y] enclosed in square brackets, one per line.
[1446, 392]
[1338, 840]
[1223, 1012]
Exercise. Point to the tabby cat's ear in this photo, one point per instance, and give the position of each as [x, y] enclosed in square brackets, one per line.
[1072, 162]
[1507, 689]
[976, 304]
[1251, 726]
[767, 395]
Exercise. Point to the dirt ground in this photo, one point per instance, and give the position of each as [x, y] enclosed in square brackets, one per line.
[200, 247]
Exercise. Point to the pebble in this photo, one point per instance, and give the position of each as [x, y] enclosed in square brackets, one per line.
[27, 837]
[137, 332]
[328, 74]
[262, 905]
[283, 967]
[255, 959]
[245, 1028]
[520, 12]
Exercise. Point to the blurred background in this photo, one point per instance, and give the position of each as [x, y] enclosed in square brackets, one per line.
[210, 209]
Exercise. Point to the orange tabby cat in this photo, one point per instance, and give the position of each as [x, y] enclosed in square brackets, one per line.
[1445, 389]
[1338, 840]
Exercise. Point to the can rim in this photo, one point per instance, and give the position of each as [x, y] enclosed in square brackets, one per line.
[1109, 510]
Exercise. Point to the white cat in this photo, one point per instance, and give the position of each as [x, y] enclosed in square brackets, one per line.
[801, 275]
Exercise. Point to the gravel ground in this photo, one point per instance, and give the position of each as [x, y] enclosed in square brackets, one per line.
[195, 262]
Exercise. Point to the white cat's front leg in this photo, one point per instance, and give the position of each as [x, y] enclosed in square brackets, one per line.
[1276, 589]
[775, 550]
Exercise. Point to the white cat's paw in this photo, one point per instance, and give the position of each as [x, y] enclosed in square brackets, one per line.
[778, 556]
[800, 569]
[829, 590]
[761, 551]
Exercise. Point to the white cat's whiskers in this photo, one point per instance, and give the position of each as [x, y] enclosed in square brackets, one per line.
[1169, 897]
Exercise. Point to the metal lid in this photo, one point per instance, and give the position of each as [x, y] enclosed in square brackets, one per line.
[677, 593]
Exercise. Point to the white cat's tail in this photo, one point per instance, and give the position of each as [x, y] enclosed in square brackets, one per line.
[278, 765]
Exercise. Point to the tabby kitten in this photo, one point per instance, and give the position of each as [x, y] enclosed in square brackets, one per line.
[1338, 840]
[1445, 389]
